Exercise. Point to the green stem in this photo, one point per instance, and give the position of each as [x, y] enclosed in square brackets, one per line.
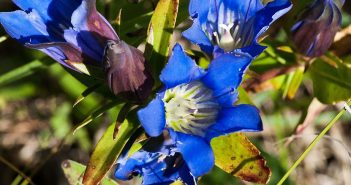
[309, 148]
[14, 168]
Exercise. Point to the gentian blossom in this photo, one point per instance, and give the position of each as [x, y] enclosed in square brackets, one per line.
[198, 105]
[74, 34]
[159, 165]
[221, 26]
[317, 26]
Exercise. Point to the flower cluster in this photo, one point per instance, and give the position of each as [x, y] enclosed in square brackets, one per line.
[199, 104]
[74, 34]
[195, 105]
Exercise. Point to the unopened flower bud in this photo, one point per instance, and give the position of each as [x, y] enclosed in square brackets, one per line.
[315, 30]
[127, 72]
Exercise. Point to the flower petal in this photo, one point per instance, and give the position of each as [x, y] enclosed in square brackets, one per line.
[186, 176]
[35, 34]
[51, 10]
[68, 13]
[86, 16]
[155, 168]
[245, 8]
[126, 167]
[180, 69]
[128, 74]
[196, 35]
[200, 161]
[254, 49]
[146, 164]
[67, 55]
[86, 43]
[270, 13]
[241, 118]
[90, 29]
[153, 117]
[76, 22]
[224, 75]
[35, 31]
[154, 172]
[199, 8]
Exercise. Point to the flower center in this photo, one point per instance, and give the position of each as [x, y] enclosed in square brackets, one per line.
[190, 108]
[230, 30]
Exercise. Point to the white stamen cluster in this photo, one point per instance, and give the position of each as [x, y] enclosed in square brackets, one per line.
[190, 108]
[232, 31]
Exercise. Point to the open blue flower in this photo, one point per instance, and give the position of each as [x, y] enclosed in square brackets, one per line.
[198, 105]
[70, 31]
[317, 26]
[221, 26]
[158, 166]
[73, 33]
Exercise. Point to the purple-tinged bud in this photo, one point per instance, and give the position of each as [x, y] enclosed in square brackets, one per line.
[128, 75]
[315, 30]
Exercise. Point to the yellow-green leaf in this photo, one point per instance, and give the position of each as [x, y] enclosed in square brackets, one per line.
[160, 33]
[96, 113]
[86, 93]
[294, 82]
[107, 151]
[236, 155]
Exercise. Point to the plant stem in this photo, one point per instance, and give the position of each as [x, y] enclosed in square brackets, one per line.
[14, 168]
[309, 148]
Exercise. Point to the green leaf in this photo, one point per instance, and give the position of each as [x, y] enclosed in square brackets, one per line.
[236, 155]
[23, 71]
[294, 82]
[331, 79]
[107, 151]
[74, 171]
[129, 25]
[97, 113]
[160, 33]
[86, 93]
[244, 97]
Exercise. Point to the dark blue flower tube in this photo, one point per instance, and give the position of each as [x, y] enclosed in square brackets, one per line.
[222, 26]
[198, 105]
[315, 30]
[74, 34]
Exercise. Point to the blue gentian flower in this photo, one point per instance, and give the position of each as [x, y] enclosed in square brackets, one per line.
[317, 26]
[73, 33]
[198, 105]
[221, 26]
[70, 31]
[160, 165]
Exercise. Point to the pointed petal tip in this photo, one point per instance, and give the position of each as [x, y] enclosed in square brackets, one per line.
[225, 73]
[240, 118]
[180, 69]
[200, 162]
